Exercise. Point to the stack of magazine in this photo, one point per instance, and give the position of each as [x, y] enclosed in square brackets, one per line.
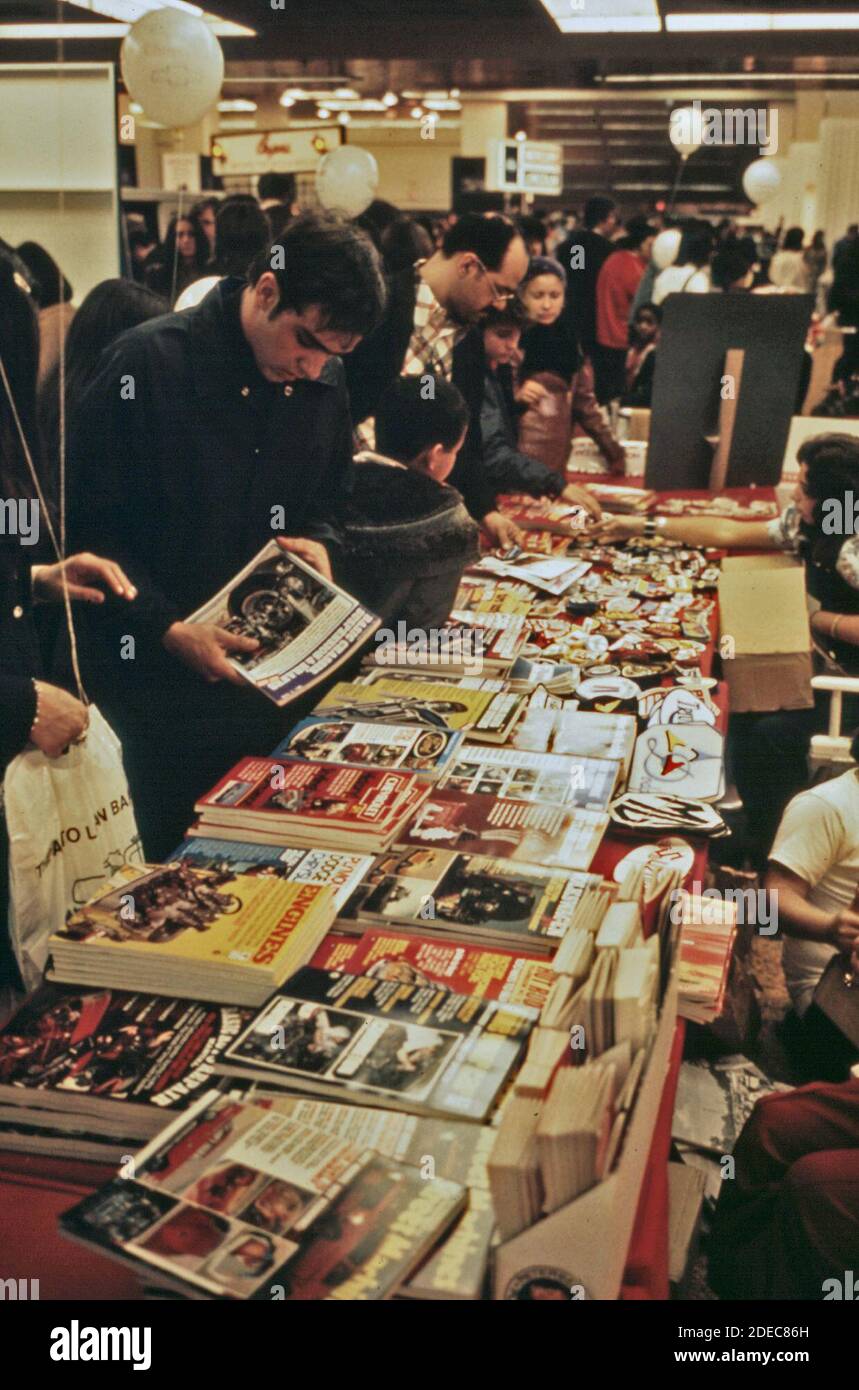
[283, 800]
[195, 933]
[237, 1200]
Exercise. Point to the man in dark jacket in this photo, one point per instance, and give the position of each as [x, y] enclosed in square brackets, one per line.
[582, 256]
[429, 327]
[204, 434]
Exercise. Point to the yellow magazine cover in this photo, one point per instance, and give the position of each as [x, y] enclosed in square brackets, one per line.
[438, 704]
[203, 916]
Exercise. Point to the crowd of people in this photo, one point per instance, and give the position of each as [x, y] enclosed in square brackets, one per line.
[380, 383]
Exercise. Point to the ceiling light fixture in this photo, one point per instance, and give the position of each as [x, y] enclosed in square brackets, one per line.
[605, 16]
[129, 11]
[761, 22]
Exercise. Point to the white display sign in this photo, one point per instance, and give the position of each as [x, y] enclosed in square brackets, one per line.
[525, 166]
[180, 171]
[273, 151]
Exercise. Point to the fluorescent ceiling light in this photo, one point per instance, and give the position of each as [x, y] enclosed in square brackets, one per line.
[35, 32]
[128, 11]
[718, 21]
[605, 16]
[720, 78]
[235, 104]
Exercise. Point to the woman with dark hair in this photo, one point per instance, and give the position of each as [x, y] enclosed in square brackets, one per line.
[181, 259]
[819, 529]
[108, 310]
[31, 710]
[844, 301]
[206, 212]
[691, 272]
[556, 387]
[52, 293]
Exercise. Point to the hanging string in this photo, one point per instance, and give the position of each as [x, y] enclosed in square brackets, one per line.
[25, 449]
[180, 209]
[59, 544]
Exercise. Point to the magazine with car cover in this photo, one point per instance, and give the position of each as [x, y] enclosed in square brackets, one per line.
[442, 893]
[194, 933]
[560, 837]
[329, 867]
[366, 743]
[305, 625]
[111, 1061]
[238, 1201]
[488, 716]
[407, 1047]
[553, 778]
[313, 804]
[486, 972]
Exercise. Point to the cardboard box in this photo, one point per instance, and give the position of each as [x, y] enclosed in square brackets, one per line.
[764, 636]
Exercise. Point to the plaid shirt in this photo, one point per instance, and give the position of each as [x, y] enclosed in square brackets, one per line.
[430, 349]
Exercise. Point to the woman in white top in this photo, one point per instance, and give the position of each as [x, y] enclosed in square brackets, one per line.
[691, 274]
[788, 269]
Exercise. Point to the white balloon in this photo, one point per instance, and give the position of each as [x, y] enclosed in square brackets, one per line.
[347, 179]
[762, 180]
[685, 130]
[666, 246]
[173, 65]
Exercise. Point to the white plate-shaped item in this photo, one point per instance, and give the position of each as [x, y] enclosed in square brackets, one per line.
[668, 855]
[641, 811]
[680, 759]
[676, 705]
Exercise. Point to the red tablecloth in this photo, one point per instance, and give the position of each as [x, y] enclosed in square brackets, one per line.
[35, 1190]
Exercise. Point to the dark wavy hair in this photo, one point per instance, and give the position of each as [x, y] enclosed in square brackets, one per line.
[108, 310]
[832, 472]
[328, 262]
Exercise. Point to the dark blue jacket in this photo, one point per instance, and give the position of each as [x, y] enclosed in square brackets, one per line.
[177, 483]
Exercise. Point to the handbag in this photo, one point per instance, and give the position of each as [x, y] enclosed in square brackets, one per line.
[70, 820]
[837, 996]
[71, 828]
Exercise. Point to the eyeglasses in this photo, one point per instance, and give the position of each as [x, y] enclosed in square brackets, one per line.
[504, 294]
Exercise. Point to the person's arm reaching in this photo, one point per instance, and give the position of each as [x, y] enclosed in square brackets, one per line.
[714, 531]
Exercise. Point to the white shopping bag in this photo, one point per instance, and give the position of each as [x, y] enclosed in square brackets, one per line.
[71, 827]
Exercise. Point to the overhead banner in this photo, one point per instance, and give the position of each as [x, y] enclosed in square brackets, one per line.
[273, 151]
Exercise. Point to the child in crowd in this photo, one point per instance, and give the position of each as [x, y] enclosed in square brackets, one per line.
[556, 389]
[408, 535]
[508, 469]
[641, 358]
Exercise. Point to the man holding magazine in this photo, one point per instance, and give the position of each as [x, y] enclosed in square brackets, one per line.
[204, 435]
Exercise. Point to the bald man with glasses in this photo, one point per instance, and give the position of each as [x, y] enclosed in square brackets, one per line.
[430, 326]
